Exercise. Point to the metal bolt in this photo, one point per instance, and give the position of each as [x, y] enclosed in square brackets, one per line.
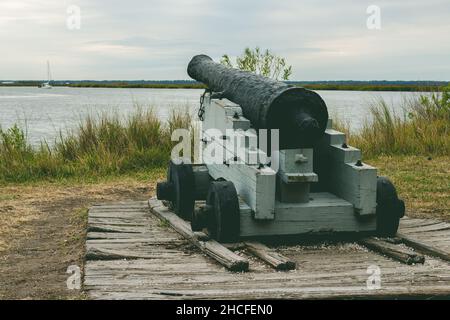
[236, 115]
[359, 163]
[345, 146]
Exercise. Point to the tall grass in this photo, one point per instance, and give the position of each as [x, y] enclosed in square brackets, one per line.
[109, 145]
[424, 130]
[101, 145]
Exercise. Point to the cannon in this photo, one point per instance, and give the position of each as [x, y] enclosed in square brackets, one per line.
[319, 186]
[300, 115]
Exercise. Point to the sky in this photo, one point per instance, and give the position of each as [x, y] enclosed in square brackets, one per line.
[155, 39]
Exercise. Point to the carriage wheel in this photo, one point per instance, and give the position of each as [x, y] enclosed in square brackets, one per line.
[390, 209]
[200, 217]
[222, 205]
[179, 189]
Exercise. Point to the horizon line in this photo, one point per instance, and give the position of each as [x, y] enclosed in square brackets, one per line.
[194, 81]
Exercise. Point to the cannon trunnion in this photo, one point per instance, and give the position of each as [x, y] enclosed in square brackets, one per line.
[318, 185]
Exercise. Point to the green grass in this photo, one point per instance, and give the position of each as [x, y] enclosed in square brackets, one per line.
[101, 146]
[425, 130]
[423, 182]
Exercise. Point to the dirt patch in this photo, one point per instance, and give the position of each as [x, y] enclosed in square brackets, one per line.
[43, 232]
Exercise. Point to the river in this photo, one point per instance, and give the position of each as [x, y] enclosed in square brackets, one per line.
[44, 112]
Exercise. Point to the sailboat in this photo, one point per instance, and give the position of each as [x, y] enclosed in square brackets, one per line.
[47, 85]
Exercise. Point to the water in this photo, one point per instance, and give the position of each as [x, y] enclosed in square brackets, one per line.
[43, 113]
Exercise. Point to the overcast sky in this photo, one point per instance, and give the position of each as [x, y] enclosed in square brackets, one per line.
[155, 39]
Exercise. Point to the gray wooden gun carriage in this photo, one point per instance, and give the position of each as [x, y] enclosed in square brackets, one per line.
[320, 184]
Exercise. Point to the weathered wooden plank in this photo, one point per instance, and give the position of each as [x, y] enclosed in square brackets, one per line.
[201, 274]
[105, 253]
[409, 223]
[114, 235]
[97, 254]
[273, 258]
[115, 229]
[174, 280]
[442, 241]
[425, 227]
[131, 204]
[403, 255]
[186, 281]
[181, 285]
[117, 214]
[134, 259]
[280, 285]
[119, 209]
[138, 222]
[152, 231]
[212, 248]
[424, 248]
[336, 292]
[131, 241]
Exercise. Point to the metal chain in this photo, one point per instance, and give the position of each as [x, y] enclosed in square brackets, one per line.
[201, 110]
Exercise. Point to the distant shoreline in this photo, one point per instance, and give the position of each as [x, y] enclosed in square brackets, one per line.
[425, 86]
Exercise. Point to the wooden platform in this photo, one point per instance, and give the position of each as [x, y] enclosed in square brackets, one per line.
[131, 254]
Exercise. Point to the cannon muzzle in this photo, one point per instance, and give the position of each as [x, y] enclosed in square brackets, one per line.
[300, 114]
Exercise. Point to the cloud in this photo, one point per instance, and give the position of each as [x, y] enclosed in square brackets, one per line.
[154, 39]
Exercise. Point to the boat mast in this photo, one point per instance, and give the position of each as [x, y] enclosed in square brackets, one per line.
[49, 75]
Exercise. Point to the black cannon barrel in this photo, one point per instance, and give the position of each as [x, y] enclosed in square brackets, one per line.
[300, 114]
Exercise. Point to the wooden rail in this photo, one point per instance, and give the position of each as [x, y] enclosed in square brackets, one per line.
[212, 248]
[393, 251]
[424, 248]
[274, 259]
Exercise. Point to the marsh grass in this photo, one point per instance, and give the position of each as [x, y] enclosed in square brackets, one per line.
[108, 144]
[105, 144]
[423, 131]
